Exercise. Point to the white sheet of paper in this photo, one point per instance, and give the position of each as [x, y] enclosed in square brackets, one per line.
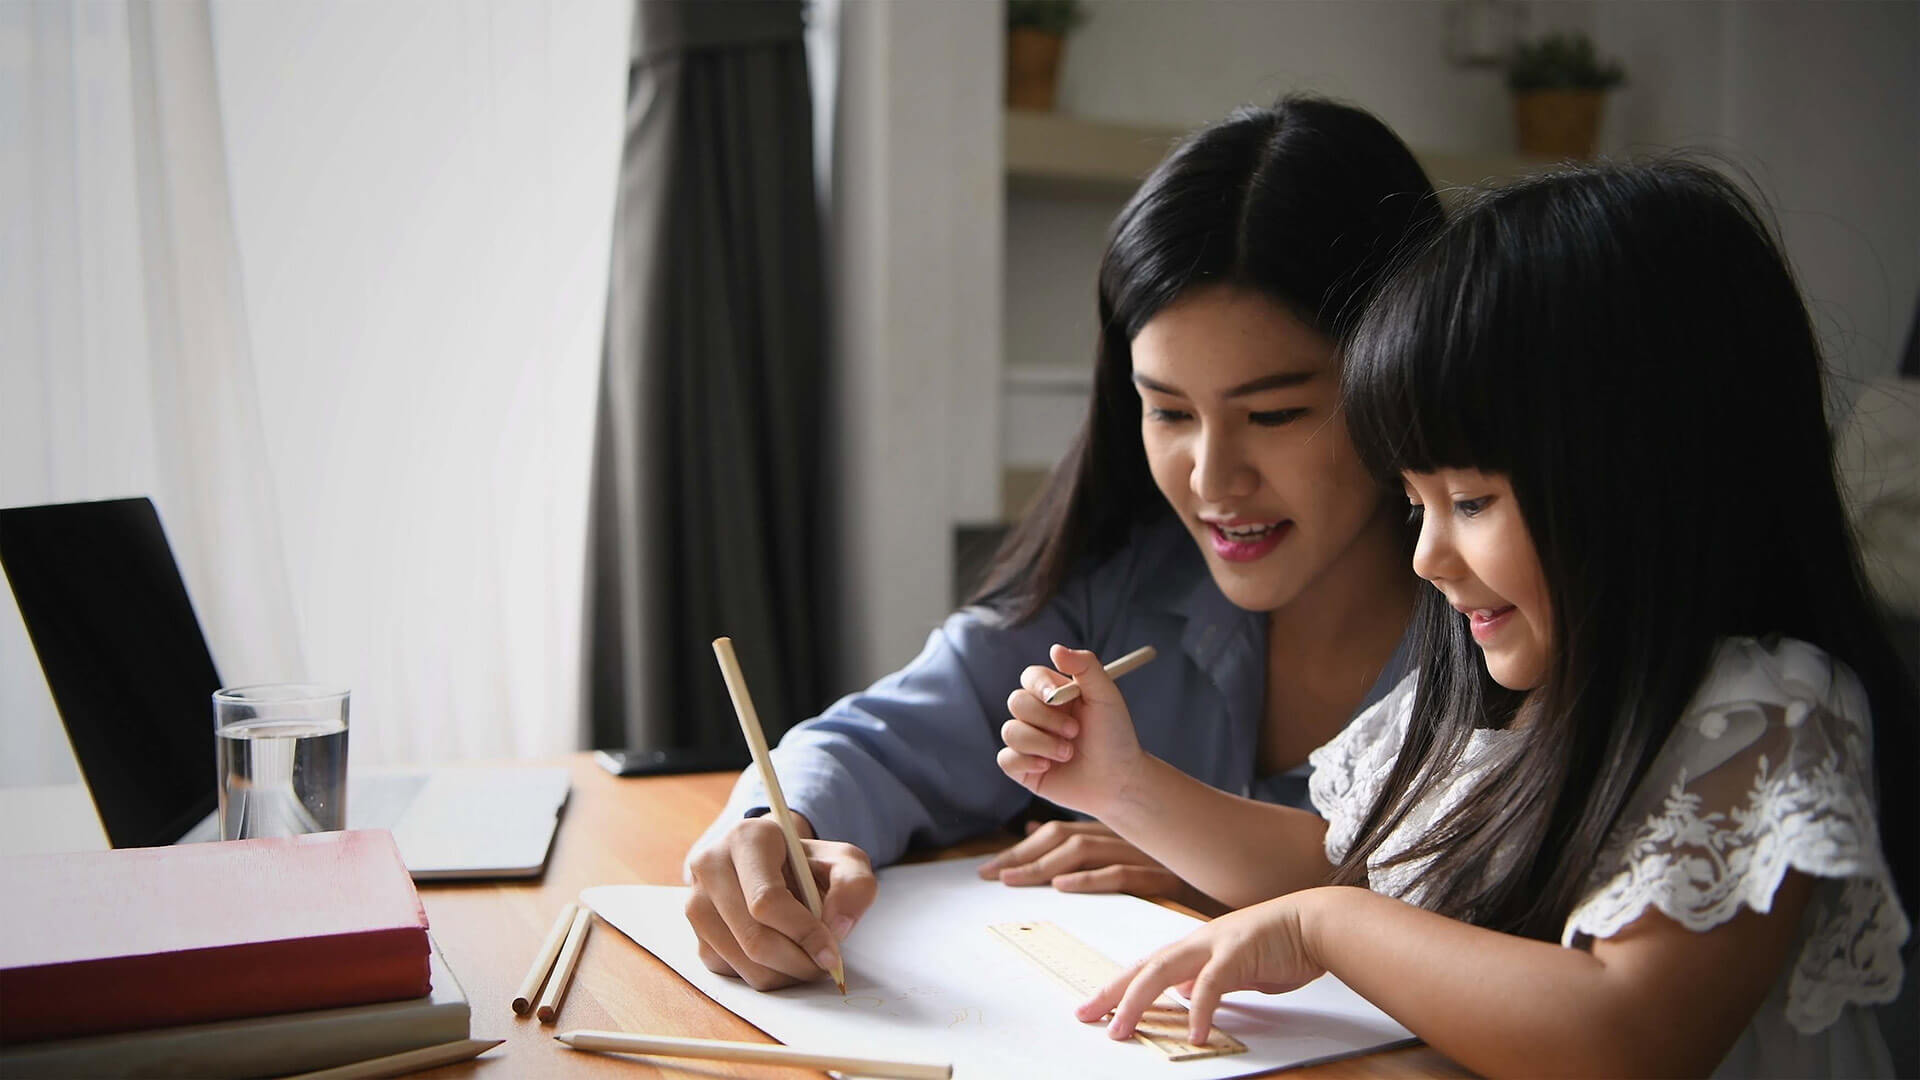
[927, 981]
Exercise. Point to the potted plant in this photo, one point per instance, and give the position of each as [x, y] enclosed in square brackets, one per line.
[1559, 86]
[1036, 33]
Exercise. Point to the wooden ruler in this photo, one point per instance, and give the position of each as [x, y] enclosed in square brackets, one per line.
[1085, 971]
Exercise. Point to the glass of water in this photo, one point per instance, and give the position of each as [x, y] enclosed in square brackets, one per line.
[282, 759]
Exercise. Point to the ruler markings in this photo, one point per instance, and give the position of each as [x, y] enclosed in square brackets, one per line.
[1084, 970]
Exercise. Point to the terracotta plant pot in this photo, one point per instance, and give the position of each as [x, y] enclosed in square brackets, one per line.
[1033, 66]
[1558, 123]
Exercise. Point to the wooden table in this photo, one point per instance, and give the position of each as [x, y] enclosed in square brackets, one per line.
[635, 832]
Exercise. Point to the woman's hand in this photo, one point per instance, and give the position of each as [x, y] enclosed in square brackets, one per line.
[1262, 948]
[1081, 754]
[747, 912]
[1086, 856]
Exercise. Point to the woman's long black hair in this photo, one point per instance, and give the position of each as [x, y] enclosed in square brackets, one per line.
[1628, 346]
[1306, 203]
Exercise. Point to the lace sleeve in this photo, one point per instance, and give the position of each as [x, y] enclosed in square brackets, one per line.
[1769, 770]
[1349, 771]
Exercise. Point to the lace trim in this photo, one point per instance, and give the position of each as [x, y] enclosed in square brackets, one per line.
[1701, 866]
[1349, 770]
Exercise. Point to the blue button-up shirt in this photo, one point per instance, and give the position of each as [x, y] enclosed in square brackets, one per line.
[910, 759]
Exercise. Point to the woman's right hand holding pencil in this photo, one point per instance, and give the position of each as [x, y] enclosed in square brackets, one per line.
[751, 922]
[1080, 754]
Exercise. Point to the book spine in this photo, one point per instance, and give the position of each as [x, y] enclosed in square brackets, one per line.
[255, 979]
[259, 1046]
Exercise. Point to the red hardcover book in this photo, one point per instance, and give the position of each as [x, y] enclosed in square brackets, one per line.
[93, 942]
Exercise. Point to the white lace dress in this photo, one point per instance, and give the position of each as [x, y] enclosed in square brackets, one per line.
[1770, 769]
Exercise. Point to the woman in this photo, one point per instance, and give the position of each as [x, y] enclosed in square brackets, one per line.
[1211, 506]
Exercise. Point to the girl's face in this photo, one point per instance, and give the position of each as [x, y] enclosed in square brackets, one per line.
[1237, 411]
[1476, 550]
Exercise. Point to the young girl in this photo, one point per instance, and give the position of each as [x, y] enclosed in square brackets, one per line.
[1638, 811]
[1242, 537]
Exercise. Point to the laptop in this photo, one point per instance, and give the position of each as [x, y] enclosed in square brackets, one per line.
[110, 620]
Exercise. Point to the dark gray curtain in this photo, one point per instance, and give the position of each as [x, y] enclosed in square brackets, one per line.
[709, 507]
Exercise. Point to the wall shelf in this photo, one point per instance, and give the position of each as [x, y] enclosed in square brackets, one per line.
[1049, 377]
[1053, 153]
[1056, 153]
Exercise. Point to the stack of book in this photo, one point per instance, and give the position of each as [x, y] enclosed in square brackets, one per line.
[248, 958]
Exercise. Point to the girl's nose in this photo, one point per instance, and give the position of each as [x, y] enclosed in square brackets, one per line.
[1221, 472]
[1433, 556]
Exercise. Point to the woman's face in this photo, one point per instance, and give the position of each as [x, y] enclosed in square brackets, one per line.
[1238, 413]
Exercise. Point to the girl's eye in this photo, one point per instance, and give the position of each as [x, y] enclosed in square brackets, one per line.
[1471, 507]
[1415, 512]
[1276, 417]
[1165, 416]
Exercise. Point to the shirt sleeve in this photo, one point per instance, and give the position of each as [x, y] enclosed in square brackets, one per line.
[1349, 771]
[911, 759]
[1769, 770]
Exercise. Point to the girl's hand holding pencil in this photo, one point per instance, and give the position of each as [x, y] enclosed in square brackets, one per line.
[1079, 754]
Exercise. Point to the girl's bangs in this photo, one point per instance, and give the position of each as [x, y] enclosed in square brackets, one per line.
[1435, 374]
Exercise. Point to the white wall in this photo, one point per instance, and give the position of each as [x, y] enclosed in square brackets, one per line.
[1824, 101]
[1820, 104]
[916, 236]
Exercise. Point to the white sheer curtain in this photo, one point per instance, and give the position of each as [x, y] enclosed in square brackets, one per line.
[424, 197]
[126, 364]
[420, 202]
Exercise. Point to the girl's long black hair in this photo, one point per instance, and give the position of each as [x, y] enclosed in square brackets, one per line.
[1628, 346]
[1306, 203]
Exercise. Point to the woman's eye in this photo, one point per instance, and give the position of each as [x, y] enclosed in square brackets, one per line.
[1276, 417]
[1415, 512]
[1470, 507]
[1165, 416]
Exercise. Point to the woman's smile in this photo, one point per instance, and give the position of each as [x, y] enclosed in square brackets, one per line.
[1245, 541]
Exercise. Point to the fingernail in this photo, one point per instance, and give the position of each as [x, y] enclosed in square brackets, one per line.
[1066, 752]
[1072, 729]
[841, 927]
[825, 959]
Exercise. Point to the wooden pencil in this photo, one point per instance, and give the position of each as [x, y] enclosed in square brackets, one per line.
[549, 1007]
[757, 742]
[407, 1061]
[1066, 692]
[543, 963]
[620, 1042]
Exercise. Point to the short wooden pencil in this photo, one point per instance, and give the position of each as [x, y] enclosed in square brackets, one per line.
[549, 1007]
[620, 1042]
[1066, 692]
[407, 1061]
[543, 962]
[777, 802]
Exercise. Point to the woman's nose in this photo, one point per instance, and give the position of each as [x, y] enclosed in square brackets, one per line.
[1221, 471]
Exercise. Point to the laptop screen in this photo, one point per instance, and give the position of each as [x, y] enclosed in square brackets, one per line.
[109, 617]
